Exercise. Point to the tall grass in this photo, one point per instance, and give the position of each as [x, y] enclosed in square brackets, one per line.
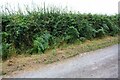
[42, 28]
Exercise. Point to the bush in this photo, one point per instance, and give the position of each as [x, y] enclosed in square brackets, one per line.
[41, 43]
[39, 30]
[71, 34]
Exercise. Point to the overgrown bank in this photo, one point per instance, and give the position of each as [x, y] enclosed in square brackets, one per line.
[42, 29]
[35, 62]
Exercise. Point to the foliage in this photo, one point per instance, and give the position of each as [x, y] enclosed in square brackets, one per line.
[72, 34]
[40, 29]
[41, 43]
[5, 49]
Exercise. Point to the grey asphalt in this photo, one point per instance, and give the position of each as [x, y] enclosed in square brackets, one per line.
[102, 63]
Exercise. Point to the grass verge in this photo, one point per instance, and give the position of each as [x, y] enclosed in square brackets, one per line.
[22, 62]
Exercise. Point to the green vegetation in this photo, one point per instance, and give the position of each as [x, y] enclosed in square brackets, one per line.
[25, 63]
[42, 29]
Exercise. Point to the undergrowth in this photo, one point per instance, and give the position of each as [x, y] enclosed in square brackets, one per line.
[41, 29]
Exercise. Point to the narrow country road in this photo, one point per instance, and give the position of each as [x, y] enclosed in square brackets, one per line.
[102, 63]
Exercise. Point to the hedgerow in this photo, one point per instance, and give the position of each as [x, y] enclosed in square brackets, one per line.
[36, 31]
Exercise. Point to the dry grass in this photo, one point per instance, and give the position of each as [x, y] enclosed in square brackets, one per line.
[22, 62]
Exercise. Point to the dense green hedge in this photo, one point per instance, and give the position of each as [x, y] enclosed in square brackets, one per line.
[37, 31]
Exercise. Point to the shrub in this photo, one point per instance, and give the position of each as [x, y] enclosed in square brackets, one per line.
[72, 34]
[41, 29]
[41, 43]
